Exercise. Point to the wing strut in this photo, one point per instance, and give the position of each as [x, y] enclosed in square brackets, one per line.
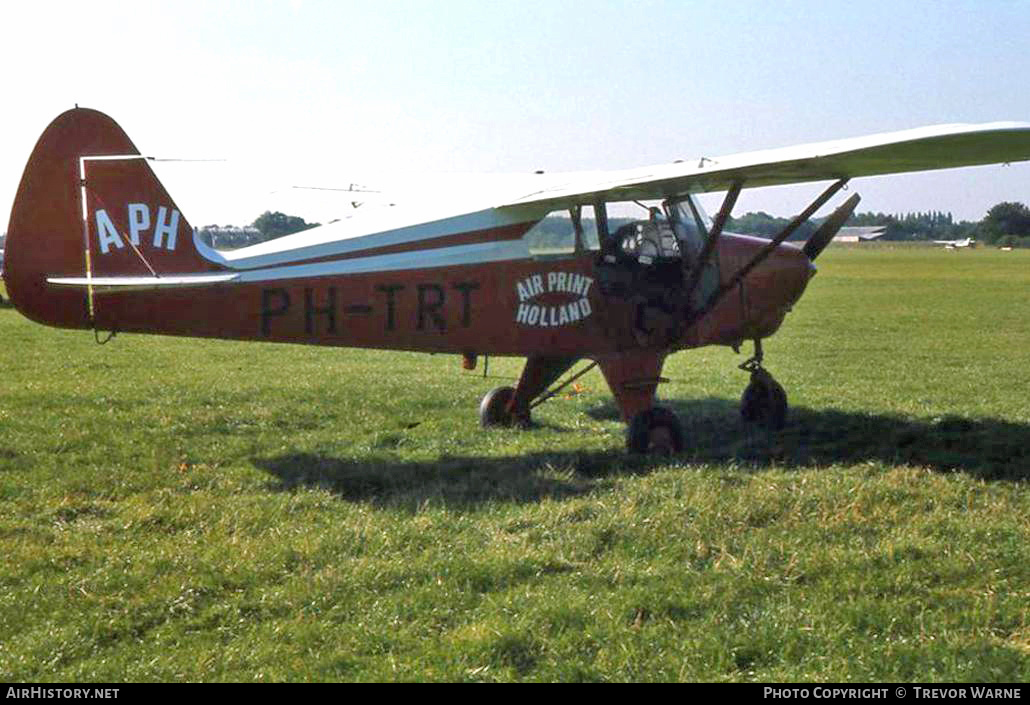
[719, 293]
[694, 276]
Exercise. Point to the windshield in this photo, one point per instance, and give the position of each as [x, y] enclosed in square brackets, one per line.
[692, 227]
[692, 223]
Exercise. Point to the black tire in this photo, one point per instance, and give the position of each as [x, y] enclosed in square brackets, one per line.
[493, 410]
[656, 431]
[764, 402]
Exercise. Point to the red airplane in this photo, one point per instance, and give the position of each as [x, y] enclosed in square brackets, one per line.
[95, 242]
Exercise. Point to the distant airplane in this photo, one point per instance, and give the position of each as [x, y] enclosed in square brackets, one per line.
[954, 244]
[96, 243]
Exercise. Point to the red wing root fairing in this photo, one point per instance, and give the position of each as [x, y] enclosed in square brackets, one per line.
[95, 242]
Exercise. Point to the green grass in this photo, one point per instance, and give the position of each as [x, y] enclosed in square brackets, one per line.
[198, 510]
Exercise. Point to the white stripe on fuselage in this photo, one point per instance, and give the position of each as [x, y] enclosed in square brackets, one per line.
[478, 253]
[351, 236]
[460, 255]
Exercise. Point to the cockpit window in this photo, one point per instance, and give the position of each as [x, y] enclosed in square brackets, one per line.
[564, 233]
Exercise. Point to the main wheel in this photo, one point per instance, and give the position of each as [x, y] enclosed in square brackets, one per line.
[657, 431]
[493, 410]
[764, 402]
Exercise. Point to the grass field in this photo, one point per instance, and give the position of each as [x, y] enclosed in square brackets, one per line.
[199, 510]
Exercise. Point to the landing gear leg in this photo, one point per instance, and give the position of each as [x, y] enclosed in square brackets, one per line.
[633, 378]
[764, 400]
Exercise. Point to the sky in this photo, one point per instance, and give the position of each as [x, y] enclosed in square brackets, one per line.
[329, 93]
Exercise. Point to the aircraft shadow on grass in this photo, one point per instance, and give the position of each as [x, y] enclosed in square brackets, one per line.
[990, 449]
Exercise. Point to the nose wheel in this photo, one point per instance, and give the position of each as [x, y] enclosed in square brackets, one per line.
[764, 401]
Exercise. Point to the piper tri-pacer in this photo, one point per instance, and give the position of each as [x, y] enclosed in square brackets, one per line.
[96, 243]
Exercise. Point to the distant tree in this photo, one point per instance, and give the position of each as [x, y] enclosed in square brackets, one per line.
[1003, 219]
[273, 225]
[765, 225]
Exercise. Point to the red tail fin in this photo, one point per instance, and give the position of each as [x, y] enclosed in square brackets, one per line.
[89, 206]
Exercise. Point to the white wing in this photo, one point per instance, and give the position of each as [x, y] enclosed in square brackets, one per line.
[921, 149]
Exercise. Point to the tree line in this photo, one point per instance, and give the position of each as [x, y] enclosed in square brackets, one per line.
[1006, 223]
[266, 226]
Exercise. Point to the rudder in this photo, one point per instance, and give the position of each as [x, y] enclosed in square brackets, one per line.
[128, 225]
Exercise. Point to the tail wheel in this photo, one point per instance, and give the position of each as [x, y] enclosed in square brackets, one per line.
[657, 431]
[764, 401]
[494, 409]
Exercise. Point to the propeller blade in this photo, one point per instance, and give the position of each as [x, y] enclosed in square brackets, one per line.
[830, 227]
